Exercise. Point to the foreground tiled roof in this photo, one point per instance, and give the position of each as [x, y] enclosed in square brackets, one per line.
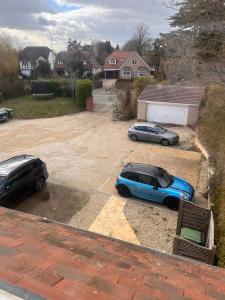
[173, 94]
[120, 56]
[55, 261]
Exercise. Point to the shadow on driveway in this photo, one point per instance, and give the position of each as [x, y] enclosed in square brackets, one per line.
[55, 202]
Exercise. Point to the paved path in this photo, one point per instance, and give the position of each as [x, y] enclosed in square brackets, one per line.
[111, 221]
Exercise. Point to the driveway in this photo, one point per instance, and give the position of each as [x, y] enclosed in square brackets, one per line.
[84, 153]
[104, 99]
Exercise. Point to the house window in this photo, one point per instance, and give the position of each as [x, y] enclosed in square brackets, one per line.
[142, 72]
[84, 62]
[60, 62]
[134, 62]
[126, 73]
[112, 61]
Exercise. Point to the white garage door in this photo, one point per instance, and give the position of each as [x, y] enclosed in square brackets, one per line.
[168, 114]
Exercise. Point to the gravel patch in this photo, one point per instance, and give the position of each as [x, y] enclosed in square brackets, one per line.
[155, 226]
[186, 137]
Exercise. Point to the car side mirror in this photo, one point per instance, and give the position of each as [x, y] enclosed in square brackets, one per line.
[155, 132]
[8, 187]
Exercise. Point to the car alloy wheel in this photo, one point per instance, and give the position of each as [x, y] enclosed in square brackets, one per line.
[134, 137]
[123, 191]
[165, 142]
[39, 184]
[172, 203]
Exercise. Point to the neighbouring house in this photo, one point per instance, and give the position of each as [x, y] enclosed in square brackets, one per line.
[170, 104]
[90, 64]
[31, 56]
[125, 64]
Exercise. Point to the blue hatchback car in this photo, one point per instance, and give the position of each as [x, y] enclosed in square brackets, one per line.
[154, 184]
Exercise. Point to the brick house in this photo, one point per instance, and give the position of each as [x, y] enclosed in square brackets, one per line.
[125, 64]
[90, 65]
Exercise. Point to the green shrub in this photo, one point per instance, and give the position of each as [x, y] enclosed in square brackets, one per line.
[42, 87]
[83, 90]
[11, 87]
[141, 82]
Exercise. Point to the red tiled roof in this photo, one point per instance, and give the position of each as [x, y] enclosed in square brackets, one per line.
[56, 261]
[120, 56]
[173, 94]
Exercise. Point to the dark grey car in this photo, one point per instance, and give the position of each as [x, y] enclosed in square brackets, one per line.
[20, 176]
[151, 132]
[3, 115]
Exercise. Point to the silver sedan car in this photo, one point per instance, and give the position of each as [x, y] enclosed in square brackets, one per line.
[151, 132]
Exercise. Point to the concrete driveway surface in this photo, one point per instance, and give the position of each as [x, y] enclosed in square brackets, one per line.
[84, 154]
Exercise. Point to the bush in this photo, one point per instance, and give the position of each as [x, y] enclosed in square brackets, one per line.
[63, 87]
[42, 87]
[211, 131]
[124, 108]
[1, 97]
[140, 83]
[11, 87]
[83, 90]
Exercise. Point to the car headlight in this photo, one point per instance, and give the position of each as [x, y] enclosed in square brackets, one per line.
[183, 196]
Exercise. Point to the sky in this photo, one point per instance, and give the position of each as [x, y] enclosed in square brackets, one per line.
[52, 22]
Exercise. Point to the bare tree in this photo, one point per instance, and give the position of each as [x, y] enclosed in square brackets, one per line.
[142, 38]
[140, 42]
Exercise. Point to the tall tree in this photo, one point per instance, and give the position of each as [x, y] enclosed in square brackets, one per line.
[43, 69]
[206, 20]
[141, 41]
[73, 45]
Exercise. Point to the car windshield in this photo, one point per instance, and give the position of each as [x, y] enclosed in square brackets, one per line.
[164, 178]
[160, 129]
[2, 179]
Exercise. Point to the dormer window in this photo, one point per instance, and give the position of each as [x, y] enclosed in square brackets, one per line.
[134, 61]
[60, 62]
[112, 61]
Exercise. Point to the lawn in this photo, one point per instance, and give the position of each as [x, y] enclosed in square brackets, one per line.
[29, 108]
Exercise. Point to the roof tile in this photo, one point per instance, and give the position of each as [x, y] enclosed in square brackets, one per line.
[173, 94]
[76, 264]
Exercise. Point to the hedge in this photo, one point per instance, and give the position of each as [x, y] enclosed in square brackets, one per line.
[83, 90]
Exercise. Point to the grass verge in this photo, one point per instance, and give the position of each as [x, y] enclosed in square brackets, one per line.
[29, 108]
[212, 133]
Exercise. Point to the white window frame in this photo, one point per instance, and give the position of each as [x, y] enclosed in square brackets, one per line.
[112, 61]
[134, 61]
[60, 62]
[126, 73]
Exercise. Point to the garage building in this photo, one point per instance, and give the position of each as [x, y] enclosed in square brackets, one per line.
[177, 105]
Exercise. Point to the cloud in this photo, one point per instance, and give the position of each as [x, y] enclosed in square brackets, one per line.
[34, 21]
